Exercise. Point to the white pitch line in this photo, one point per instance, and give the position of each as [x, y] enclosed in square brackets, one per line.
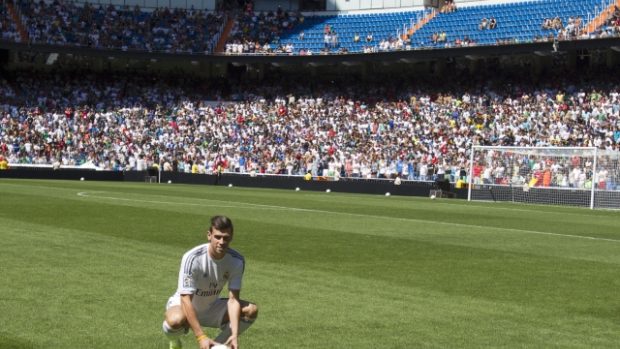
[247, 205]
[273, 207]
[535, 208]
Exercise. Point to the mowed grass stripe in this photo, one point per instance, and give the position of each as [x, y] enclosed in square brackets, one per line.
[304, 198]
[233, 204]
[373, 309]
[387, 315]
[595, 227]
[551, 282]
[456, 271]
[460, 265]
[190, 211]
[600, 224]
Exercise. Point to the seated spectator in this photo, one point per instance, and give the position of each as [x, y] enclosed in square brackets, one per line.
[443, 37]
[327, 29]
[369, 37]
[492, 23]
[356, 38]
[573, 27]
[327, 39]
[301, 35]
[448, 7]
[484, 23]
[4, 165]
[334, 40]
[384, 45]
[406, 38]
[467, 41]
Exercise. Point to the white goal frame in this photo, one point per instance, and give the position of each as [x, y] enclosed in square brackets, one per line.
[512, 182]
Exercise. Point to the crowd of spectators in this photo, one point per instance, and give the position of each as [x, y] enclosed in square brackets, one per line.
[552, 23]
[448, 7]
[572, 30]
[437, 37]
[527, 169]
[612, 25]
[110, 27]
[8, 28]
[132, 121]
[260, 32]
[575, 28]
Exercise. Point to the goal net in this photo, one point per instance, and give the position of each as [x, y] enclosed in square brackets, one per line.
[575, 176]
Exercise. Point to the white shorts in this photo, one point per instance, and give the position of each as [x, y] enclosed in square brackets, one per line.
[211, 317]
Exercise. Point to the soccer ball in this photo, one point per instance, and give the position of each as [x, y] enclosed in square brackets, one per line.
[230, 185]
[82, 178]
[433, 197]
[388, 194]
[297, 189]
[169, 181]
[220, 346]
[328, 190]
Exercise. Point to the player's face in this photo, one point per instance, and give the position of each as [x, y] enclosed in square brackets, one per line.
[219, 241]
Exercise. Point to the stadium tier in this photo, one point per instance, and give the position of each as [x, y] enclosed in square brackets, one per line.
[519, 22]
[287, 32]
[101, 26]
[338, 33]
[515, 23]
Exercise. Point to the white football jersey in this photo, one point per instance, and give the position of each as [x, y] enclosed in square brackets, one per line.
[205, 277]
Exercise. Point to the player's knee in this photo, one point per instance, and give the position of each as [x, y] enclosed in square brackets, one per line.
[175, 319]
[250, 312]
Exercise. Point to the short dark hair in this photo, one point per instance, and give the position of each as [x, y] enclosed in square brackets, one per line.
[221, 223]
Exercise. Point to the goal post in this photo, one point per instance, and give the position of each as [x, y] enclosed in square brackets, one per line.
[573, 176]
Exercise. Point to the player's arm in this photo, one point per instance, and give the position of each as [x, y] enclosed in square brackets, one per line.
[192, 320]
[234, 315]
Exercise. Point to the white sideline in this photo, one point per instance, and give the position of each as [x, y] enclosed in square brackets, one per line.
[272, 207]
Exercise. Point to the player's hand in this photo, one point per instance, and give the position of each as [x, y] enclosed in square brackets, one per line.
[232, 342]
[206, 343]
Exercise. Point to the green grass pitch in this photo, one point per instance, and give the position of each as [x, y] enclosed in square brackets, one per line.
[91, 265]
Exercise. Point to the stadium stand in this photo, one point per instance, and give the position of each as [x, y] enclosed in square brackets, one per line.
[520, 22]
[128, 121]
[8, 26]
[111, 27]
[420, 127]
[61, 22]
[516, 22]
[337, 33]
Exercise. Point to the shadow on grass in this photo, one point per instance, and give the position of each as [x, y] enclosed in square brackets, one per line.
[14, 343]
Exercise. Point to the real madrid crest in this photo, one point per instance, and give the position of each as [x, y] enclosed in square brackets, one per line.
[188, 281]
